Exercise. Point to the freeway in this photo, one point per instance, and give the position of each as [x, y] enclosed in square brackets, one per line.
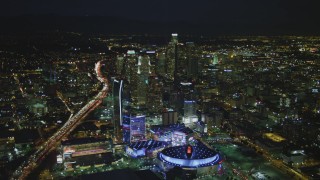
[51, 144]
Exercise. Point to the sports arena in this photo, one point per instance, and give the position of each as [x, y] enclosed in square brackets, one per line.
[188, 156]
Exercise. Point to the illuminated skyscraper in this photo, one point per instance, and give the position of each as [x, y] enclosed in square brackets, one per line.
[192, 60]
[137, 128]
[190, 115]
[215, 60]
[172, 57]
[130, 77]
[120, 64]
[161, 65]
[126, 129]
[134, 128]
[117, 93]
[169, 116]
[144, 65]
[130, 67]
[153, 61]
[143, 72]
[154, 95]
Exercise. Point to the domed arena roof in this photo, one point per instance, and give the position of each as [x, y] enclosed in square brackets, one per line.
[201, 156]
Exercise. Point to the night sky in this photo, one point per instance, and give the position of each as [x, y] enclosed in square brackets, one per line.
[303, 14]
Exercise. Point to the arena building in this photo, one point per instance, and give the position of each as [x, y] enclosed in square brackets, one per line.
[189, 157]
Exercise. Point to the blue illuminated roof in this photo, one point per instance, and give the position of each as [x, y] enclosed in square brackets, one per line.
[150, 144]
[166, 128]
[186, 130]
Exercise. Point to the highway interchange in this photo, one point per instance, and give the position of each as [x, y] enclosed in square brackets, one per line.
[53, 142]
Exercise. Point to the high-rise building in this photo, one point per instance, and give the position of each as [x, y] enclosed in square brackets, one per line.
[120, 64]
[192, 60]
[190, 115]
[161, 64]
[130, 78]
[172, 57]
[117, 93]
[153, 61]
[169, 117]
[130, 67]
[39, 109]
[215, 60]
[137, 128]
[143, 73]
[154, 95]
[126, 129]
[134, 128]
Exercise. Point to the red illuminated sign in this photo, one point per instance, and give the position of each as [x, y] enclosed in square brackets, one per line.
[189, 151]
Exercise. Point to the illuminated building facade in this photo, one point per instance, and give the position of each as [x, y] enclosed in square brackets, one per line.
[148, 148]
[164, 132]
[190, 115]
[142, 81]
[169, 116]
[172, 57]
[188, 156]
[126, 129]
[154, 99]
[130, 68]
[134, 128]
[161, 64]
[153, 60]
[192, 60]
[117, 93]
[137, 128]
[181, 137]
[130, 77]
[120, 64]
[39, 109]
[85, 146]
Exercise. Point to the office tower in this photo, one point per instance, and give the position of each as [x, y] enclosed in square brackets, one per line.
[161, 64]
[117, 93]
[143, 72]
[144, 66]
[130, 78]
[192, 60]
[39, 109]
[153, 61]
[120, 64]
[190, 115]
[172, 57]
[154, 95]
[134, 128]
[215, 59]
[169, 116]
[126, 129]
[137, 128]
[130, 70]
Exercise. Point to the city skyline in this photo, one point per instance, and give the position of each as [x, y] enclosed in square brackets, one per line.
[160, 90]
[182, 106]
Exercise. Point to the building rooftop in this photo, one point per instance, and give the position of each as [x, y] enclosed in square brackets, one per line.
[186, 130]
[162, 129]
[150, 144]
[82, 141]
[93, 159]
[201, 156]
